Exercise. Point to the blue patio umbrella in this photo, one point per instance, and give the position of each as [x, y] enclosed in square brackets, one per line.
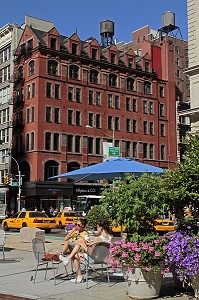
[110, 170]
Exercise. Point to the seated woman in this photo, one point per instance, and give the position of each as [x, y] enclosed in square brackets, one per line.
[78, 232]
[103, 228]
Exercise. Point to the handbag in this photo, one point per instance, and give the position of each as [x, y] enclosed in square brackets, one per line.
[51, 256]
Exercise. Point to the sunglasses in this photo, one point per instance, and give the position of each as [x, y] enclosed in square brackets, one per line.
[79, 225]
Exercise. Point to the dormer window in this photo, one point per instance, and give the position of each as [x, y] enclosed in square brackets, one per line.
[130, 63]
[74, 48]
[94, 53]
[30, 45]
[74, 72]
[113, 58]
[130, 84]
[147, 66]
[113, 80]
[23, 49]
[94, 76]
[52, 67]
[53, 43]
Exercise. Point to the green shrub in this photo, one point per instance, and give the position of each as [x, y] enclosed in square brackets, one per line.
[95, 214]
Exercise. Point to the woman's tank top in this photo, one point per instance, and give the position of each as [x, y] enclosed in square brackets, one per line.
[106, 239]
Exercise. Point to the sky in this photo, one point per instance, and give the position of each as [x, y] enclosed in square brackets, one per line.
[84, 16]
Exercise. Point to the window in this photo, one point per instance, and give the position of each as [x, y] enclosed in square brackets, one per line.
[77, 144]
[98, 121]
[70, 117]
[98, 145]
[113, 58]
[70, 143]
[134, 149]
[151, 128]
[147, 66]
[74, 72]
[151, 108]
[161, 91]
[90, 145]
[162, 152]
[47, 141]
[94, 76]
[28, 115]
[128, 149]
[33, 90]
[162, 129]
[74, 48]
[53, 43]
[145, 107]
[28, 92]
[78, 118]
[70, 93]
[130, 84]
[33, 114]
[147, 87]
[110, 101]
[177, 49]
[57, 115]
[31, 67]
[20, 72]
[145, 150]
[20, 94]
[48, 114]
[78, 95]
[145, 127]
[48, 90]
[135, 127]
[112, 80]
[57, 91]
[117, 102]
[94, 53]
[151, 151]
[52, 67]
[98, 98]
[56, 142]
[32, 141]
[30, 45]
[23, 49]
[27, 141]
[128, 125]
[110, 123]
[117, 123]
[178, 61]
[178, 73]
[90, 119]
[161, 110]
[134, 105]
[130, 63]
[128, 104]
[90, 97]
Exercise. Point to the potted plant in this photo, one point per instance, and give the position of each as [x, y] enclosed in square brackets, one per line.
[142, 264]
[135, 204]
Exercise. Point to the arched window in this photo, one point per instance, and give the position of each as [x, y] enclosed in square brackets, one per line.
[74, 72]
[72, 166]
[52, 67]
[130, 84]
[94, 76]
[25, 171]
[113, 80]
[50, 169]
[147, 87]
[20, 72]
[31, 67]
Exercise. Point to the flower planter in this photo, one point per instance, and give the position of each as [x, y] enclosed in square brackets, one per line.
[142, 284]
[195, 285]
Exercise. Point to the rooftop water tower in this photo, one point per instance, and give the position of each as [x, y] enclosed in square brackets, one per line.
[106, 32]
[168, 24]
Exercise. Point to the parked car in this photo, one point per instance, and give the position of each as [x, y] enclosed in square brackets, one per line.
[66, 217]
[29, 219]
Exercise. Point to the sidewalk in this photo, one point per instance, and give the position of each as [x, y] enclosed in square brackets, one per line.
[17, 271]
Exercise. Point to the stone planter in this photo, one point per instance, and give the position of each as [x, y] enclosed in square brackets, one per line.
[195, 285]
[142, 284]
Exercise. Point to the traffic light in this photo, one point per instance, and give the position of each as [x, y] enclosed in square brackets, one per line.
[6, 180]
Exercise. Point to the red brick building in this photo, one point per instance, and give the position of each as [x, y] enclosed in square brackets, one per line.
[63, 84]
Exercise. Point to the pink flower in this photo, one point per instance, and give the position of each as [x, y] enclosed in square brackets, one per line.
[157, 254]
[124, 254]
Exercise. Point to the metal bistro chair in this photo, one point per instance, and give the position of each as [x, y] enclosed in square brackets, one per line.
[97, 254]
[39, 252]
[2, 242]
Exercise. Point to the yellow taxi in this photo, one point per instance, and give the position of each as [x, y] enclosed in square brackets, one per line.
[164, 225]
[64, 218]
[29, 219]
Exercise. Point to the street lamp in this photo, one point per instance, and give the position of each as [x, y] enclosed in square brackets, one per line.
[110, 137]
[19, 186]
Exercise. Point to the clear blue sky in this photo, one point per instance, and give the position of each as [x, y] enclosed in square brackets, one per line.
[85, 16]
